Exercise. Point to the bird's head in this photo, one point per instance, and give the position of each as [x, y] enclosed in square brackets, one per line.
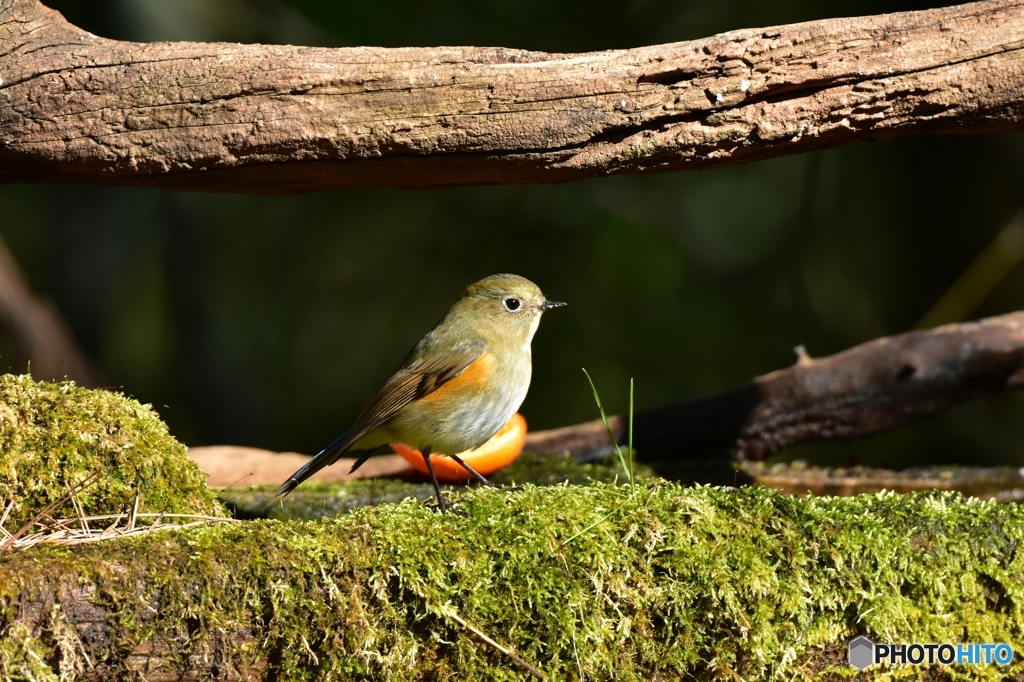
[505, 304]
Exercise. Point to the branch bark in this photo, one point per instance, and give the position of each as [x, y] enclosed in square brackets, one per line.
[855, 394]
[274, 119]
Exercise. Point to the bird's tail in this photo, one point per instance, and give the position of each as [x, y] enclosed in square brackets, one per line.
[325, 457]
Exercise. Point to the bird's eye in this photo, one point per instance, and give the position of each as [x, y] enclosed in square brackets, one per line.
[511, 304]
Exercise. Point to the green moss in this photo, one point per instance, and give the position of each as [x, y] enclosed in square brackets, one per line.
[560, 469]
[638, 150]
[584, 582]
[320, 500]
[23, 657]
[56, 435]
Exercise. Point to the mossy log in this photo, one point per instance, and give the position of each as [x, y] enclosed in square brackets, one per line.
[55, 436]
[584, 582]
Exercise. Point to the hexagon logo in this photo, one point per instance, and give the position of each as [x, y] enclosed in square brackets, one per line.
[861, 652]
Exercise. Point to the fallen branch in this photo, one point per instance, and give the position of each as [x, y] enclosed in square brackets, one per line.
[255, 118]
[860, 392]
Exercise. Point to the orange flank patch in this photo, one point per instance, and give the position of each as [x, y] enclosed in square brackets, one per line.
[471, 379]
[500, 451]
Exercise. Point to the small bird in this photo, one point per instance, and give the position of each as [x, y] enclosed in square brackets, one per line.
[457, 387]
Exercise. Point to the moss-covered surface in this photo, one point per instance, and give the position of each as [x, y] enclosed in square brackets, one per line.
[584, 578]
[55, 435]
[320, 500]
[586, 582]
[23, 656]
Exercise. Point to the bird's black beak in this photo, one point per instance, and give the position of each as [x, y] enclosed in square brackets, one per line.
[550, 304]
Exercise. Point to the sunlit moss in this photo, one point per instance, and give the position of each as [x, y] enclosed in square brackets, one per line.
[586, 582]
[56, 435]
[23, 657]
[584, 578]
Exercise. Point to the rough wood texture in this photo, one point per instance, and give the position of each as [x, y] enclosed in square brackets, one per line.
[274, 119]
[860, 392]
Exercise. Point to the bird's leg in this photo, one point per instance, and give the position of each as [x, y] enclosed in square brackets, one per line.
[476, 474]
[433, 479]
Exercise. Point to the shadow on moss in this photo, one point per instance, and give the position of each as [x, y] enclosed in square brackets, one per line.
[320, 500]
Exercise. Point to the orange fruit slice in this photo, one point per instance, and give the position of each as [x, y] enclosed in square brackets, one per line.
[500, 451]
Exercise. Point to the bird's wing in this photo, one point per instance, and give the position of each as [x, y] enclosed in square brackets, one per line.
[417, 379]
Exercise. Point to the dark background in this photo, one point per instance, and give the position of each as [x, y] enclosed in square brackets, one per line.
[269, 321]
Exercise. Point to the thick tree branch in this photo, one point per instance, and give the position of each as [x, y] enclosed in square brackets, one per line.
[257, 118]
[860, 392]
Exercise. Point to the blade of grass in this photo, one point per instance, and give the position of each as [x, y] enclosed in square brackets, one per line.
[604, 418]
[632, 479]
[595, 524]
[627, 468]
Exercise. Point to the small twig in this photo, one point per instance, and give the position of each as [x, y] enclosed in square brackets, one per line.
[508, 652]
[50, 507]
[241, 492]
[134, 514]
[114, 523]
[85, 654]
[575, 653]
[62, 524]
[147, 515]
[77, 504]
[232, 485]
[3, 518]
[309, 650]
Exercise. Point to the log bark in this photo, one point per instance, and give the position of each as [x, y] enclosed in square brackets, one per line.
[855, 394]
[76, 108]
